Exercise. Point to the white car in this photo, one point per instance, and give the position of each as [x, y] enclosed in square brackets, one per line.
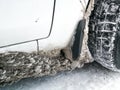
[24, 23]
[35, 25]
[34, 31]
[44, 29]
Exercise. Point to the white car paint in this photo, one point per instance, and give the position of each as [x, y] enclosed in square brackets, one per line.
[24, 20]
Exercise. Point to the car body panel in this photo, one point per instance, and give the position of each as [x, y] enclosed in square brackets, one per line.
[24, 20]
[30, 25]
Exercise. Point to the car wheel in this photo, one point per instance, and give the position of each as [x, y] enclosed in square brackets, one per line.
[104, 33]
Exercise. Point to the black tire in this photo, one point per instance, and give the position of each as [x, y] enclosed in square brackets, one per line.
[104, 33]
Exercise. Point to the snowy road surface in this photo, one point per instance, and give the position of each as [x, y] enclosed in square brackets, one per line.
[90, 77]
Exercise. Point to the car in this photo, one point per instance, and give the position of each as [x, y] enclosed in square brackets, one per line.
[42, 37]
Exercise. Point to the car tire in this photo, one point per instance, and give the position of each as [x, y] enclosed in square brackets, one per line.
[104, 33]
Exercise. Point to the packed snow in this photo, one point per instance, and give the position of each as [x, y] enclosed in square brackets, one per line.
[90, 77]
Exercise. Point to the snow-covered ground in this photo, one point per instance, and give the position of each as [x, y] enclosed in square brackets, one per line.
[90, 77]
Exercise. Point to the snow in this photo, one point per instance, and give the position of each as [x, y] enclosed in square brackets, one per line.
[90, 77]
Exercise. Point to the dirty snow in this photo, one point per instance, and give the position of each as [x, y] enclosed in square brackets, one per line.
[90, 77]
